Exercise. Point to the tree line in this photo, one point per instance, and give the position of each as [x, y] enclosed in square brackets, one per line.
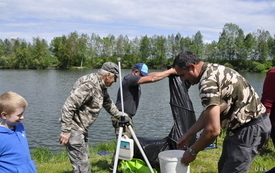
[253, 52]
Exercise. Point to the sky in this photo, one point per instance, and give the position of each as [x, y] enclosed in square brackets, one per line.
[46, 19]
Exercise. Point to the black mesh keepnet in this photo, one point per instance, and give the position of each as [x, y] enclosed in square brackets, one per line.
[184, 117]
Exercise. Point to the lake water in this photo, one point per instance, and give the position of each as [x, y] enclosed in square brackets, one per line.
[47, 90]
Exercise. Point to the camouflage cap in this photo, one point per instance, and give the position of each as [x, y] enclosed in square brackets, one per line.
[110, 67]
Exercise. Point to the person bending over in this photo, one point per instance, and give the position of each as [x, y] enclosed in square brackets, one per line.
[244, 117]
[81, 109]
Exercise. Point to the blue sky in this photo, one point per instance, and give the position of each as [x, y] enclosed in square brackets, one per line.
[135, 18]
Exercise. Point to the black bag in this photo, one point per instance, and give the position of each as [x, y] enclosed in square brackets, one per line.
[184, 117]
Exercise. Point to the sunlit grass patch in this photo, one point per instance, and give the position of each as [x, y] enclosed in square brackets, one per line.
[206, 161]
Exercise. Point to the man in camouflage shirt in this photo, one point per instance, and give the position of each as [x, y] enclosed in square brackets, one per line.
[88, 95]
[229, 102]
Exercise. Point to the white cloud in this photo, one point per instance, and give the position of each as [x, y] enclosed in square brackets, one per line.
[47, 19]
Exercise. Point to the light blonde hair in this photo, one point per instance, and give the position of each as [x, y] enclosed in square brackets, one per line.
[9, 101]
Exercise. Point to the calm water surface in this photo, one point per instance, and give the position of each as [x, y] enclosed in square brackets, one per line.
[47, 90]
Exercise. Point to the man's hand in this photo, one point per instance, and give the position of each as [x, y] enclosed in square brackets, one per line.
[64, 138]
[183, 142]
[116, 119]
[187, 158]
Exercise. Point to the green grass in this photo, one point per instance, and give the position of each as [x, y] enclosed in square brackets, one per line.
[206, 162]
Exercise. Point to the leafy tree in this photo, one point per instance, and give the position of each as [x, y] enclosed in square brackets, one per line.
[240, 50]
[92, 51]
[250, 46]
[243, 52]
[107, 46]
[132, 54]
[1, 48]
[82, 49]
[211, 53]
[197, 44]
[20, 56]
[135, 46]
[158, 59]
[70, 51]
[271, 48]
[229, 39]
[8, 47]
[58, 50]
[145, 49]
[173, 43]
[120, 44]
[262, 48]
[71, 47]
[185, 44]
[40, 54]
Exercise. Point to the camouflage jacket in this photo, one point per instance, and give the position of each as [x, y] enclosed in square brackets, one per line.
[222, 83]
[88, 95]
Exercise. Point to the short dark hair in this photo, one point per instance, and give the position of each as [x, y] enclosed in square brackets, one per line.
[183, 59]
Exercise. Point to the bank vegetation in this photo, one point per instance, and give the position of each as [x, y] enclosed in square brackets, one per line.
[252, 52]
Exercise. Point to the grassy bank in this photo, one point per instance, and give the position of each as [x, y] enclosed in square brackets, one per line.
[206, 162]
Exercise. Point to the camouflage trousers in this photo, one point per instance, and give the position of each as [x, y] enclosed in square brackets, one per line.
[78, 151]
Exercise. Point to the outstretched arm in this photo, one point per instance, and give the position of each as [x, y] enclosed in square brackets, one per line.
[156, 76]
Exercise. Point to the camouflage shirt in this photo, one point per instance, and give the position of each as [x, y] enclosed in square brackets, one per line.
[222, 83]
[82, 107]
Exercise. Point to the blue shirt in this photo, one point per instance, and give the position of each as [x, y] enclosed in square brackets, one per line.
[14, 151]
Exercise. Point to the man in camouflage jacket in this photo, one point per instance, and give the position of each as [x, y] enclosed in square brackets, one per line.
[229, 102]
[88, 95]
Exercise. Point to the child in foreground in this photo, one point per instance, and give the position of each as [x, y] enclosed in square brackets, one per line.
[14, 150]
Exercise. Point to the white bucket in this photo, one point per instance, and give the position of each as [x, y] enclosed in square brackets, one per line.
[170, 162]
